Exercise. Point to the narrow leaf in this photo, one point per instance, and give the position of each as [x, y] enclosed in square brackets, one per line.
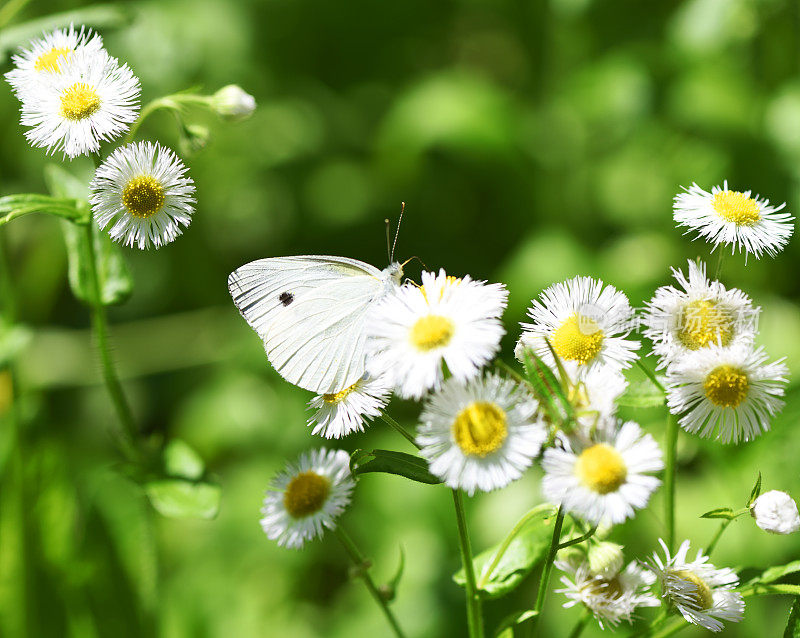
[546, 387]
[390, 462]
[776, 573]
[720, 512]
[756, 491]
[176, 498]
[793, 625]
[506, 627]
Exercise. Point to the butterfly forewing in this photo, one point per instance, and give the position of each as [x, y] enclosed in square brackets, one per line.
[310, 312]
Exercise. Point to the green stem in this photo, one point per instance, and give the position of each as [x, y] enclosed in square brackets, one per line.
[723, 526]
[669, 479]
[171, 102]
[674, 627]
[541, 593]
[399, 428]
[474, 610]
[580, 539]
[577, 630]
[361, 566]
[129, 433]
[487, 572]
[651, 375]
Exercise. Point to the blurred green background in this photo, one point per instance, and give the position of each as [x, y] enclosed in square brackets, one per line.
[531, 141]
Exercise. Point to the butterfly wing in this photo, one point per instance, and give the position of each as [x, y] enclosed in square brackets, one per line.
[310, 313]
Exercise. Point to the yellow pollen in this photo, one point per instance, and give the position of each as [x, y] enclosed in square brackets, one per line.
[306, 494]
[703, 323]
[51, 60]
[703, 597]
[79, 101]
[450, 281]
[601, 469]
[338, 397]
[143, 196]
[431, 331]
[736, 207]
[578, 339]
[480, 428]
[726, 386]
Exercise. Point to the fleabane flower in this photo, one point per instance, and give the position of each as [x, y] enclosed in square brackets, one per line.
[702, 314]
[93, 99]
[415, 329]
[341, 413]
[729, 394]
[480, 435]
[611, 596]
[585, 322]
[306, 497]
[734, 218]
[776, 512]
[605, 480]
[702, 594]
[142, 194]
[44, 57]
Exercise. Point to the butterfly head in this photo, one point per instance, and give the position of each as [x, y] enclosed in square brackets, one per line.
[394, 272]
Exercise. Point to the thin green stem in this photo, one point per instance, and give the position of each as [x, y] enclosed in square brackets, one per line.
[541, 593]
[580, 539]
[651, 375]
[723, 526]
[362, 565]
[171, 102]
[129, 434]
[487, 572]
[577, 630]
[474, 609]
[669, 479]
[399, 428]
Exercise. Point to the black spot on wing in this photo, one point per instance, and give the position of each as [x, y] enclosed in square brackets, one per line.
[286, 298]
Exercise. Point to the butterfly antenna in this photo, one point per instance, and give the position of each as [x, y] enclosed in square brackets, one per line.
[388, 248]
[397, 232]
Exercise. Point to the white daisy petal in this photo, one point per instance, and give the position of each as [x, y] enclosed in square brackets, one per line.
[702, 594]
[728, 393]
[604, 480]
[142, 194]
[92, 99]
[416, 329]
[308, 496]
[585, 322]
[480, 435]
[723, 216]
[345, 412]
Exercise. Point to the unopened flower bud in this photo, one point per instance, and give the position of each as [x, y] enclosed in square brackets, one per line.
[776, 512]
[605, 559]
[232, 103]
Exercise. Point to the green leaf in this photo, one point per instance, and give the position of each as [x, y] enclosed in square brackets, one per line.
[116, 283]
[176, 498]
[389, 590]
[720, 512]
[180, 460]
[776, 573]
[506, 627]
[14, 206]
[756, 491]
[793, 625]
[642, 394]
[389, 462]
[525, 551]
[546, 387]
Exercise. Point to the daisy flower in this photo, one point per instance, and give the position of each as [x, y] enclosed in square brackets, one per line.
[730, 217]
[728, 393]
[446, 320]
[703, 594]
[480, 435]
[43, 58]
[345, 412]
[606, 480]
[585, 322]
[612, 596]
[93, 99]
[703, 313]
[141, 192]
[307, 496]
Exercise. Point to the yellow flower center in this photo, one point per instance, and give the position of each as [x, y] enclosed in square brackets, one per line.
[431, 331]
[703, 598]
[480, 428]
[601, 469]
[578, 339]
[603, 587]
[143, 196]
[703, 323]
[79, 101]
[51, 60]
[736, 207]
[338, 397]
[726, 386]
[306, 494]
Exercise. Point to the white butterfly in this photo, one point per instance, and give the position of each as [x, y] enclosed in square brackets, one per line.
[310, 312]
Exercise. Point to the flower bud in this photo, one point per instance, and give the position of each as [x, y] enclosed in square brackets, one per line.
[605, 559]
[776, 512]
[195, 139]
[232, 103]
